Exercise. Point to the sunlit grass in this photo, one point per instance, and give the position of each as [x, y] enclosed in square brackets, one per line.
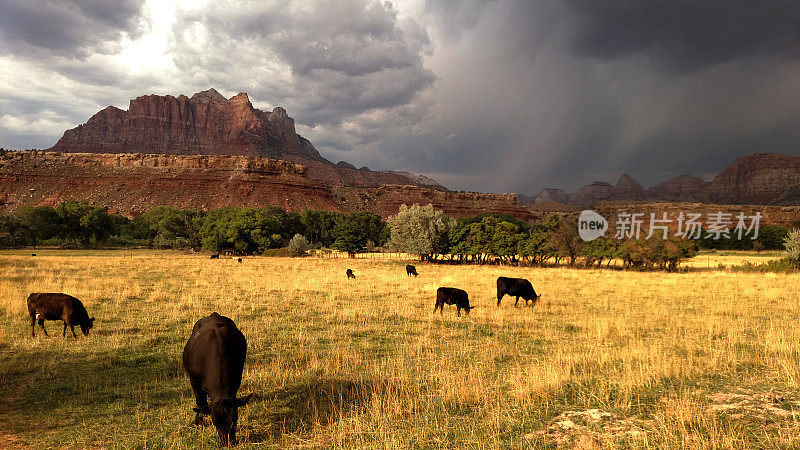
[367, 364]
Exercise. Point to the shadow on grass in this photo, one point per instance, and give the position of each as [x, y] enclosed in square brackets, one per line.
[65, 382]
[301, 408]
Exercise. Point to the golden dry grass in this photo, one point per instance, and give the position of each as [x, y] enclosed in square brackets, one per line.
[366, 364]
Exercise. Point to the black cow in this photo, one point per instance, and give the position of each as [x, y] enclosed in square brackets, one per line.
[350, 274]
[53, 306]
[215, 256]
[214, 359]
[516, 287]
[411, 270]
[452, 296]
[240, 260]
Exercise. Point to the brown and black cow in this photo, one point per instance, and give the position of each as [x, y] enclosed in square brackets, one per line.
[55, 306]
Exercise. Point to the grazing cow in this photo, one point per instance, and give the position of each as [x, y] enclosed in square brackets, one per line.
[350, 274]
[411, 270]
[215, 256]
[240, 259]
[516, 287]
[214, 359]
[452, 296]
[52, 306]
[33, 254]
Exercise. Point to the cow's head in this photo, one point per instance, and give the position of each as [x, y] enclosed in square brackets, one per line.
[224, 415]
[86, 326]
[536, 298]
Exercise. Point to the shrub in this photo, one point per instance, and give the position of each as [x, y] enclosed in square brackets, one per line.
[792, 245]
[782, 265]
[298, 245]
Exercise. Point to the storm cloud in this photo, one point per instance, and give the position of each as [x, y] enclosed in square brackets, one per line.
[497, 96]
[75, 28]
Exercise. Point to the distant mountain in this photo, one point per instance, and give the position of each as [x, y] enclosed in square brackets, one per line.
[757, 179]
[209, 124]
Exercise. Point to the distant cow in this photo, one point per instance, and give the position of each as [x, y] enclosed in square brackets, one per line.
[215, 256]
[52, 306]
[33, 254]
[452, 296]
[350, 274]
[214, 359]
[411, 270]
[516, 287]
[240, 259]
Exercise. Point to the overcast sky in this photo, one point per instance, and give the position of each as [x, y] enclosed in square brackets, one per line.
[492, 96]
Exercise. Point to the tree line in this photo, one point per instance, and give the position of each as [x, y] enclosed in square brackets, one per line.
[418, 230]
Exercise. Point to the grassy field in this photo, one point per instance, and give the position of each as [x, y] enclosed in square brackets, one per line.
[606, 359]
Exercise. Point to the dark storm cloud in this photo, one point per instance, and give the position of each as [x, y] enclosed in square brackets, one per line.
[687, 34]
[66, 28]
[486, 95]
[344, 57]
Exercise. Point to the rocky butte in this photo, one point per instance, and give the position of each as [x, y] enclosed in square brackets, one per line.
[207, 151]
[207, 123]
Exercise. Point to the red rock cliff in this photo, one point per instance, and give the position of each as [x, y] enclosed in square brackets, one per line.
[131, 184]
[206, 124]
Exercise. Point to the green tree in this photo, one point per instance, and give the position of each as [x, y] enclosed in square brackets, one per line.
[38, 223]
[566, 241]
[598, 250]
[84, 224]
[420, 230]
[298, 245]
[169, 227]
[350, 237]
[242, 230]
[791, 245]
[319, 225]
[535, 246]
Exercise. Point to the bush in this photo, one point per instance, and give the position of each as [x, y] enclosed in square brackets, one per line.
[420, 230]
[298, 245]
[792, 245]
[782, 265]
[283, 252]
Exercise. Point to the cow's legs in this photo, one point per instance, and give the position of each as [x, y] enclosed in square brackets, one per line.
[498, 300]
[33, 326]
[64, 331]
[200, 398]
[515, 303]
[458, 311]
[72, 328]
[41, 324]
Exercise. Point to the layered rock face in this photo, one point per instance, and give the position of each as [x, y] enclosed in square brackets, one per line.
[206, 124]
[386, 200]
[130, 184]
[683, 188]
[209, 124]
[589, 195]
[345, 174]
[627, 188]
[551, 195]
[761, 178]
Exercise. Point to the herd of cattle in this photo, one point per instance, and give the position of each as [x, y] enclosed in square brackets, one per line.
[214, 355]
